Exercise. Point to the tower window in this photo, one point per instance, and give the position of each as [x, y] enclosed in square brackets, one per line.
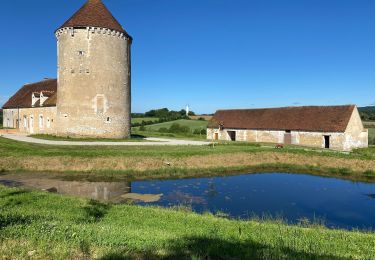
[100, 104]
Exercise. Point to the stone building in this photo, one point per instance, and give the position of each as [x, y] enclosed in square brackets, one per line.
[91, 96]
[331, 127]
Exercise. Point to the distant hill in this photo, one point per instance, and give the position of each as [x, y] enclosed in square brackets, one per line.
[367, 113]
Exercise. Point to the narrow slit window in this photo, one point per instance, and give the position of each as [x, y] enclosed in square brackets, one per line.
[100, 104]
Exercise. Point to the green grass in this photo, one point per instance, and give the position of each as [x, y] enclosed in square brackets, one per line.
[139, 120]
[192, 124]
[135, 138]
[9, 148]
[183, 136]
[371, 132]
[50, 226]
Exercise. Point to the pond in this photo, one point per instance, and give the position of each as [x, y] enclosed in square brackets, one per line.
[292, 197]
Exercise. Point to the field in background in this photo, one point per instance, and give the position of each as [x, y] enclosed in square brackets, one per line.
[371, 133]
[140, 119]
[207, 118]
[192, 124]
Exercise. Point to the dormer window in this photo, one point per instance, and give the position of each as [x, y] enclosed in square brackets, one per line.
[44, 95]
[35, 98]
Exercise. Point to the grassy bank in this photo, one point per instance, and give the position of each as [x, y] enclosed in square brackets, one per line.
[184, 136]
[134, 138]
[65, 227]
[182, 161]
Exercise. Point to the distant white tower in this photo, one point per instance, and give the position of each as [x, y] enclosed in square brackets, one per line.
[187, 110]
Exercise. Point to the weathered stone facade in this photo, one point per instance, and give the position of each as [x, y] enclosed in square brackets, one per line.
[37, 120]
[93, 95]
[355, 136]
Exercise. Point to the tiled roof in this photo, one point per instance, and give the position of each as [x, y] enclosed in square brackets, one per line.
[47, 93]
[22, 99]
[51, 101]
[307, 118]
[95, 14]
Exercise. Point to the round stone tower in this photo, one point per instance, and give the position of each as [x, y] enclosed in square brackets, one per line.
[94, 81]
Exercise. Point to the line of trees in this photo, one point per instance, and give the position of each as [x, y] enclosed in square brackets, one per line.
[367, 113]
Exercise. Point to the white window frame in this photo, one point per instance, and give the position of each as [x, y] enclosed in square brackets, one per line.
[41, 121]
[48, 122]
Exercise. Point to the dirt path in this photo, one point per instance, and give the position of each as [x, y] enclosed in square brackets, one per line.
[151, 141]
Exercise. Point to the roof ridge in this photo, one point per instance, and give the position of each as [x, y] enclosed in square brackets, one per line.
[268, 108]
[302, 118]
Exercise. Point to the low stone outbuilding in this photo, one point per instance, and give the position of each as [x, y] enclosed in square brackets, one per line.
[33, 108]
[331, 127]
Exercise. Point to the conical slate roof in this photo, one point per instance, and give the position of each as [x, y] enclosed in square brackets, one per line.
[94, 13]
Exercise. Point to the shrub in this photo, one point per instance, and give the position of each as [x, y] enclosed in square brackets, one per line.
[163, 130]
[142, 128]
[177, 128]
[200, 132]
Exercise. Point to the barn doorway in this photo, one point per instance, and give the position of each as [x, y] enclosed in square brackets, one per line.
[232, 135]
[288, 137]
[327, 140]
[216, 136]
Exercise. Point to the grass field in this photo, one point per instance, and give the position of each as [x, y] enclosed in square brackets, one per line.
[63, 227]
[371, 132]
[139, 120]
[183, 161]
[192, 124]
[134, 138]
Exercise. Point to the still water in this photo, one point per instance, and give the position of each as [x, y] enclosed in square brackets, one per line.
[336, 202]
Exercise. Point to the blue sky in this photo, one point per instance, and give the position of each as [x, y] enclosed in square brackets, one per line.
[213, 54]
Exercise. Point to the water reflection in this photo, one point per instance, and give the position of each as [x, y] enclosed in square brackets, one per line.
[339, 203]
[101, 191]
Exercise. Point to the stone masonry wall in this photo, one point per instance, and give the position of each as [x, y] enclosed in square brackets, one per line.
[36, 120]
[93, 96]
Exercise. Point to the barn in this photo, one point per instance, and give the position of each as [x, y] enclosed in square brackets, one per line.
[330, 127]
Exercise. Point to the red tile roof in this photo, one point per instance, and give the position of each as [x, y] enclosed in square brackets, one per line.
[95, 14]
[22, 99]
[51, 101]
[308, 118]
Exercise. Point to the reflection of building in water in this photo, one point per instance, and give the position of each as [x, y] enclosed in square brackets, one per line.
[102, 191]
